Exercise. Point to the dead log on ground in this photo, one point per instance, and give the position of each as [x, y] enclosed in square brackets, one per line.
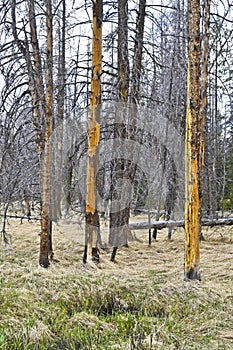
[178, 223]
[22, 217]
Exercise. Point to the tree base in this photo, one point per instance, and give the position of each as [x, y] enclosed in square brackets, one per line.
[192, 274]
[44, 262]
[113, 256]
[94, 256]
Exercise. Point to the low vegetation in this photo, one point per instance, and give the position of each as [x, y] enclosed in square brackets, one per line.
[140, 302]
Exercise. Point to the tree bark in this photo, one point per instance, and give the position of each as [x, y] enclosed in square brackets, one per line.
[192, 147]
[138, 46]
[59, 120]
[122, 51]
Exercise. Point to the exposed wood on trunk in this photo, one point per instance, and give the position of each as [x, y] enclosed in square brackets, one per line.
[192, 146]
[92, 217]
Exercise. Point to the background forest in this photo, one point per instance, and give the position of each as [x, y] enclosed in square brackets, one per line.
[162, 83]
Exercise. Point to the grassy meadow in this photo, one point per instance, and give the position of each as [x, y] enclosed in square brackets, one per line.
[139, 302]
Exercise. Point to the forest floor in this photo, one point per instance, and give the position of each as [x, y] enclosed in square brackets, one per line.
[138, 302]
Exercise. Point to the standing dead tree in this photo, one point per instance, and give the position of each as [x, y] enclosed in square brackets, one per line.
[192, 156]
[92, 216]
[42, 103]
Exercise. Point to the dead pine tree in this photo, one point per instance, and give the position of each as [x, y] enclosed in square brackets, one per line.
[203, 107]
[118, 225]
[46, 224]
[42, 108]
[192, 147]
[119, 220]
[92, 216]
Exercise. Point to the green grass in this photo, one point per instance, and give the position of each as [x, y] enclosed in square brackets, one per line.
[83, 312]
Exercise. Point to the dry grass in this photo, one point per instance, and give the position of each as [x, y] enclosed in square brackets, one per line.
[139, 302]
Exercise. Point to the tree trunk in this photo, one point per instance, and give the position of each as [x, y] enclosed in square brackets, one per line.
[203, 108]
[119, 220]
[138, 46]
[136, 81]
[46, 225]
[192, 146]
[58, 146]
[118, 216]
[92, 217]
[42, 113]
[122, 51]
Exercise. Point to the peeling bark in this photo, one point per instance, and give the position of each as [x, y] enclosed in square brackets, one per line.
[192, 147]
[92, 217]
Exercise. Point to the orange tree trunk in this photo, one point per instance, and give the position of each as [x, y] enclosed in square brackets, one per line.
[92, 217]
[192, 147]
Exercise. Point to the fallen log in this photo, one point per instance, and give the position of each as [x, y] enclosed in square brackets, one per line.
[22, 217]
[146, 211]
[178, 223]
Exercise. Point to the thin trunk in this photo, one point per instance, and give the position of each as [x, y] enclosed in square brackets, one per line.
[27, 204]
[136, 81]
[61, 104]
[39, 98]
[224, 164]
[204, 88]
[138, 46]
[122, 51]
[192, 146]
[92, 217]
[3, 232]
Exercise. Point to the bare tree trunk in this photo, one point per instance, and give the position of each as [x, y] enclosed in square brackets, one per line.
[204, 88]
[192, 146]
[58, 147]
[138, 46]
[46, 224]
[224, 166]
[136, 81]
[122, 51]
[27, 204]
[119, 220]
[38, 93]
[118, 216]
[92, 217]
[42, 114]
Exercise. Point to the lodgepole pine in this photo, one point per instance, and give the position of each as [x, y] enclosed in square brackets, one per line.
[192, 147]
[46, 224]
[92, 217]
